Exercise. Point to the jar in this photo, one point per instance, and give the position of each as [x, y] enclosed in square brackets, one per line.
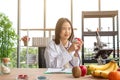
[5, 66]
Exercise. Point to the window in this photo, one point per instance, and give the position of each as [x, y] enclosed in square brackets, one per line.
[9, 8]
[78, 7]
[32, 15]
[56, 9]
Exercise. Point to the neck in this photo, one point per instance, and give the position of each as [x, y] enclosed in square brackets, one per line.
[64, 42]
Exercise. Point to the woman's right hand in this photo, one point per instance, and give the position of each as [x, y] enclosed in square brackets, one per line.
[75, 46]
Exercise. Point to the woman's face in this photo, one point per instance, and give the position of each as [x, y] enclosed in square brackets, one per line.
[65, 31]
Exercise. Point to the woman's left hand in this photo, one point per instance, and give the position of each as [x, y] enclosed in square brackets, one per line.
[79, 43]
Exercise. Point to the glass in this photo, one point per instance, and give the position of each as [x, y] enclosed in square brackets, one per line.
[5, 66]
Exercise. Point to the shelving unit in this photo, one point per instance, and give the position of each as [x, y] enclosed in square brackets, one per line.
[113, 33]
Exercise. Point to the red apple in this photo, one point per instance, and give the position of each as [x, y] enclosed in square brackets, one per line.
[118, 69]
[78, 39]
[83, 70]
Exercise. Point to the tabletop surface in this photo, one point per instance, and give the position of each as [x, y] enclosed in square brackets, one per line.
[33, 73]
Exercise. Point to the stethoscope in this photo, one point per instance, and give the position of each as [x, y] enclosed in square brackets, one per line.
[75, 52]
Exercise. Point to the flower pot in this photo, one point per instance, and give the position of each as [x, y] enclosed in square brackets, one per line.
[25, 43]
[5, 60]
[25, 40]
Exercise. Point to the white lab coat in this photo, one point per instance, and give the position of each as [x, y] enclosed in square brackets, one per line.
[56, 56]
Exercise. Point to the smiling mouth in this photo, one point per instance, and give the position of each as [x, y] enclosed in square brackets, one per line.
[66, 35]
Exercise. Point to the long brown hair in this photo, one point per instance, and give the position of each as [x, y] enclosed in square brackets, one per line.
[59, 27]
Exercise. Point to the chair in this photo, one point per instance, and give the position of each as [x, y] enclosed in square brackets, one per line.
[41, 59]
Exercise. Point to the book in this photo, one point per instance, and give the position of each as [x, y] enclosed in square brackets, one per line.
[58, 71]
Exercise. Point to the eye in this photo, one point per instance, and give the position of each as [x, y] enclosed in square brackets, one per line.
[69, 28]
[63, 28]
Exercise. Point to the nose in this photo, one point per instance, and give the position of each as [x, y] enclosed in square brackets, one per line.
[67, 30]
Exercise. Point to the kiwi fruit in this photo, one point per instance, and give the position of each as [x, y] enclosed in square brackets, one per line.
[76, 72]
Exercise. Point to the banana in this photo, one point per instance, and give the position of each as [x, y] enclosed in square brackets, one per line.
[96, 73]
[92, 67]
[105, 73]
[113, 66]
[99, 67]
[116, 67]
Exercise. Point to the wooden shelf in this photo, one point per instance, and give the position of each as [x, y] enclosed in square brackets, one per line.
[38, 29]
[99, 14]
[113, 33]
[102, 33]
[49, 29]
[93, 61]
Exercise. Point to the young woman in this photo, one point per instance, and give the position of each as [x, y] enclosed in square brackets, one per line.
[62, 52]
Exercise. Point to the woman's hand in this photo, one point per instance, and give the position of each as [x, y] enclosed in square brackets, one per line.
[80, 43]
[76, 45]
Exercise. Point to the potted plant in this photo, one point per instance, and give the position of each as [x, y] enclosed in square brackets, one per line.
[25, 40]
[8, 38]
